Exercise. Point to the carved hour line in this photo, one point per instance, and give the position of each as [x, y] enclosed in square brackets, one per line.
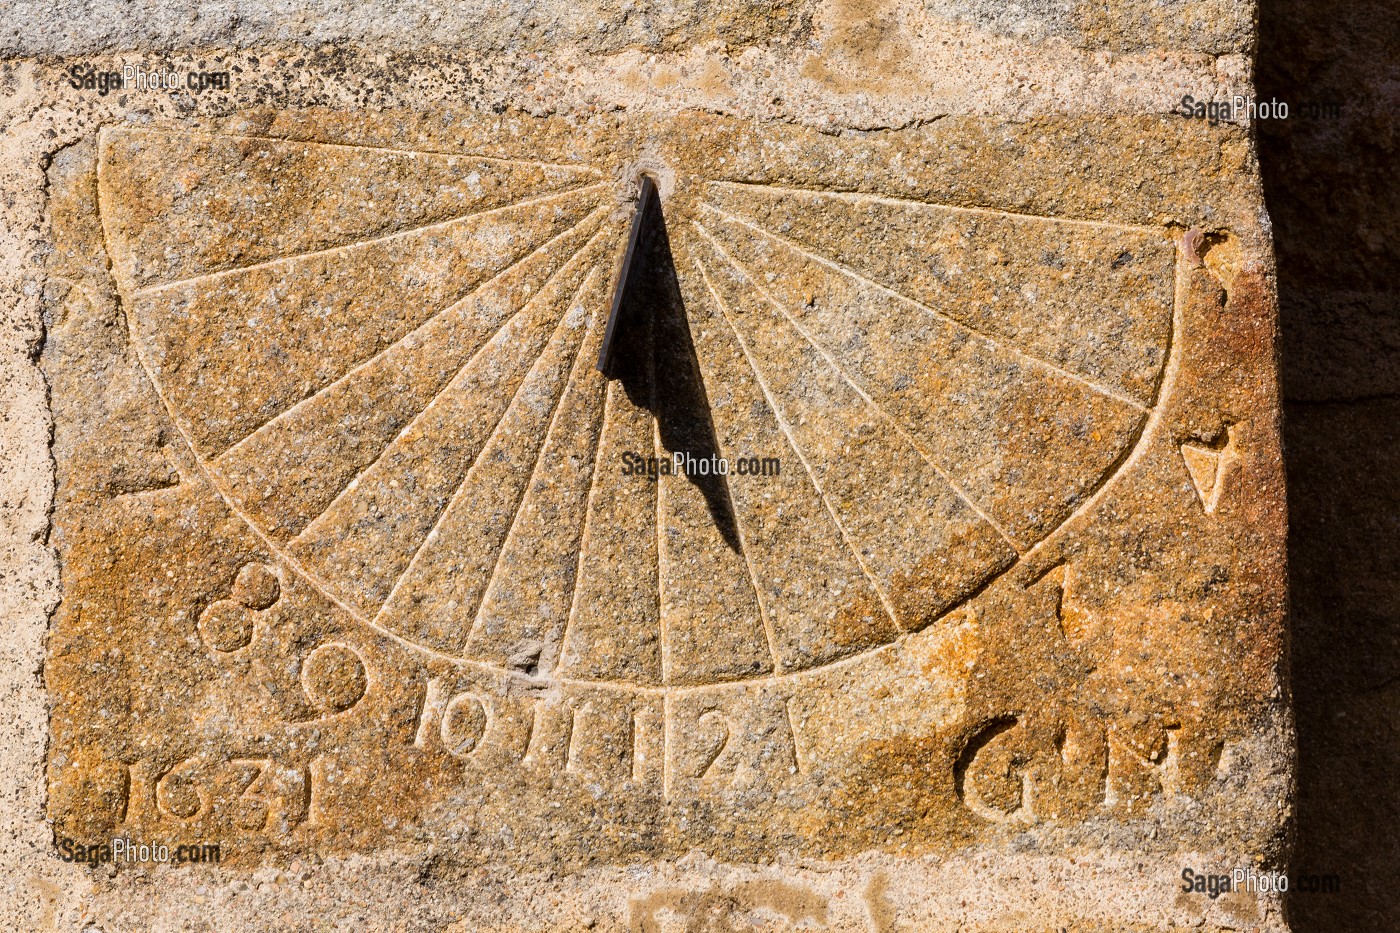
[768, 632]
[351, 373]
[471, 470]
[870, 283]
[407, 429]
[475, 527]
[292, 140]
[787, 432]
[758, 595]
[525, 204]
[383, 389]
[889, 419]
[698, 592]
[656, 502]
[584, 289]
[901, 202]
[802, 622]
[615, 633]
[665, 694]
[579, 430]
[957, 396]
[608, 405]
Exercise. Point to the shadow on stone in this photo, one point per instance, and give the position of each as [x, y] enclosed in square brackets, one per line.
[1330, 186]
[653, 357]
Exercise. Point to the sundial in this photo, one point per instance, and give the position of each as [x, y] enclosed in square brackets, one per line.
[577, 492]
[406, 395]
[712, 467]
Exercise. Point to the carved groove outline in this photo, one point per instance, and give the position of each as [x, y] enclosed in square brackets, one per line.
[575, 369]
[1131, 454]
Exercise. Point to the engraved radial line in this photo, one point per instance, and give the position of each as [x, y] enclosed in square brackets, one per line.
[539, 454]
[456, 567]
[447, 386]
[356, 244]
[909, 439]
[659, 453]
[467, 476]
[583, 525]
[365, 364]
[901, 202]
[748, 559]
[801, 458]
[580, 169]
[870, 283]
[757, 595]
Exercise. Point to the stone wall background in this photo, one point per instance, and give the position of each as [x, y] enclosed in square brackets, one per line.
[1334, 200]
[1335, 206]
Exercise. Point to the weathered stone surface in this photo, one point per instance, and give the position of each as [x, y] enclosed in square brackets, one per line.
[366, 578]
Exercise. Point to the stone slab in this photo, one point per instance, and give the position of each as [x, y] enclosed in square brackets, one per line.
[346, 562]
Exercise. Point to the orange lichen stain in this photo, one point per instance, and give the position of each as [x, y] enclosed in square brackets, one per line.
[860, 624]
[957, 651]
[903, 798]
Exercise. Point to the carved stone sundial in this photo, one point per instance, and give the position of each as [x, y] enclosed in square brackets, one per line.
[615, 467]
[384, 362]
[567, 495]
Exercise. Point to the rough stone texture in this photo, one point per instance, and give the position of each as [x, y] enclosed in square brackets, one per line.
[344, 571]
[1336, 210]
[606, 26]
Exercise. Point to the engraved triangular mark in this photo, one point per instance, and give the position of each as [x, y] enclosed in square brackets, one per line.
[1207, 464]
